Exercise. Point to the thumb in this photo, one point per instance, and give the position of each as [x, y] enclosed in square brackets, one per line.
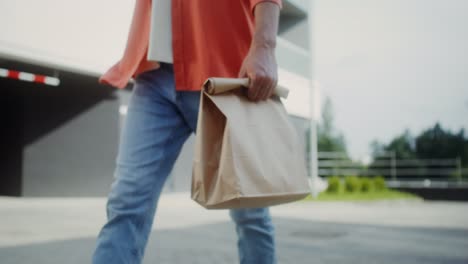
[242, 72]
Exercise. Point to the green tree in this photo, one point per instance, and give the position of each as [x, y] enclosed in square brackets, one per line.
[328, 139]
[403, 146]
[433, 143]
[437, 143]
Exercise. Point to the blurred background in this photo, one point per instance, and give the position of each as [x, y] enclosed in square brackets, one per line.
[390, 102]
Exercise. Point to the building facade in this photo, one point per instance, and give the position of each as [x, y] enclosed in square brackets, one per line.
[62, 139]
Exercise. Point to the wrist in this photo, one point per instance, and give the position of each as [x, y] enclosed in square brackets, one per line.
[263, 44]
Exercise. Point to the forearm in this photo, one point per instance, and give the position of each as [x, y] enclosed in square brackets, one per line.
[266, 25]
[260, 63]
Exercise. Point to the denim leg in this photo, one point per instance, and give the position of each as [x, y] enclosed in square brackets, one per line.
[152, 137]
[254, 227]
[189, 103]
[256, 239]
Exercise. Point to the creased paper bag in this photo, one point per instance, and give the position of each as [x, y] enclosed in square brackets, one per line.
[247, 154]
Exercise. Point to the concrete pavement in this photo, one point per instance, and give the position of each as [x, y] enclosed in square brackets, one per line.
[63, 230]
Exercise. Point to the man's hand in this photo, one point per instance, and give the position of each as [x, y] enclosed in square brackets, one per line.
[260, 67]
[260, 63]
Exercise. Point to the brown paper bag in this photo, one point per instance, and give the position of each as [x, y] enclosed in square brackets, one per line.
[247, 154]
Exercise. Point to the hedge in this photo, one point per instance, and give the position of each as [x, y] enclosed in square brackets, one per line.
[355, 184]
[334, 184]
[352, 184]
[379, 183]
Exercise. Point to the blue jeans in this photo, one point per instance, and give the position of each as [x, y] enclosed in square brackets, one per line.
[159, 120]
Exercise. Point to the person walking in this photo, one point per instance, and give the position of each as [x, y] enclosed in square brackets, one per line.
[172, 47]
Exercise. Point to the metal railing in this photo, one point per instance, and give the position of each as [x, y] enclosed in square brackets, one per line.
[435, 170]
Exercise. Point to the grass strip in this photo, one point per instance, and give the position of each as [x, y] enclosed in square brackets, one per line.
[363, 196]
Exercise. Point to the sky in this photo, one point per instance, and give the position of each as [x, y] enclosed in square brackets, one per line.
[391, 65]
[387, 65]
[87, 33]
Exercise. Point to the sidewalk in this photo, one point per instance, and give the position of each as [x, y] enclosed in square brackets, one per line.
[63, 230]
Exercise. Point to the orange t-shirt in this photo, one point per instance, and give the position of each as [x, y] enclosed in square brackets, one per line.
[209, 38]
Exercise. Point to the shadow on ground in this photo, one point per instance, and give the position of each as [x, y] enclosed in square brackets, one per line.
[297, 242]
